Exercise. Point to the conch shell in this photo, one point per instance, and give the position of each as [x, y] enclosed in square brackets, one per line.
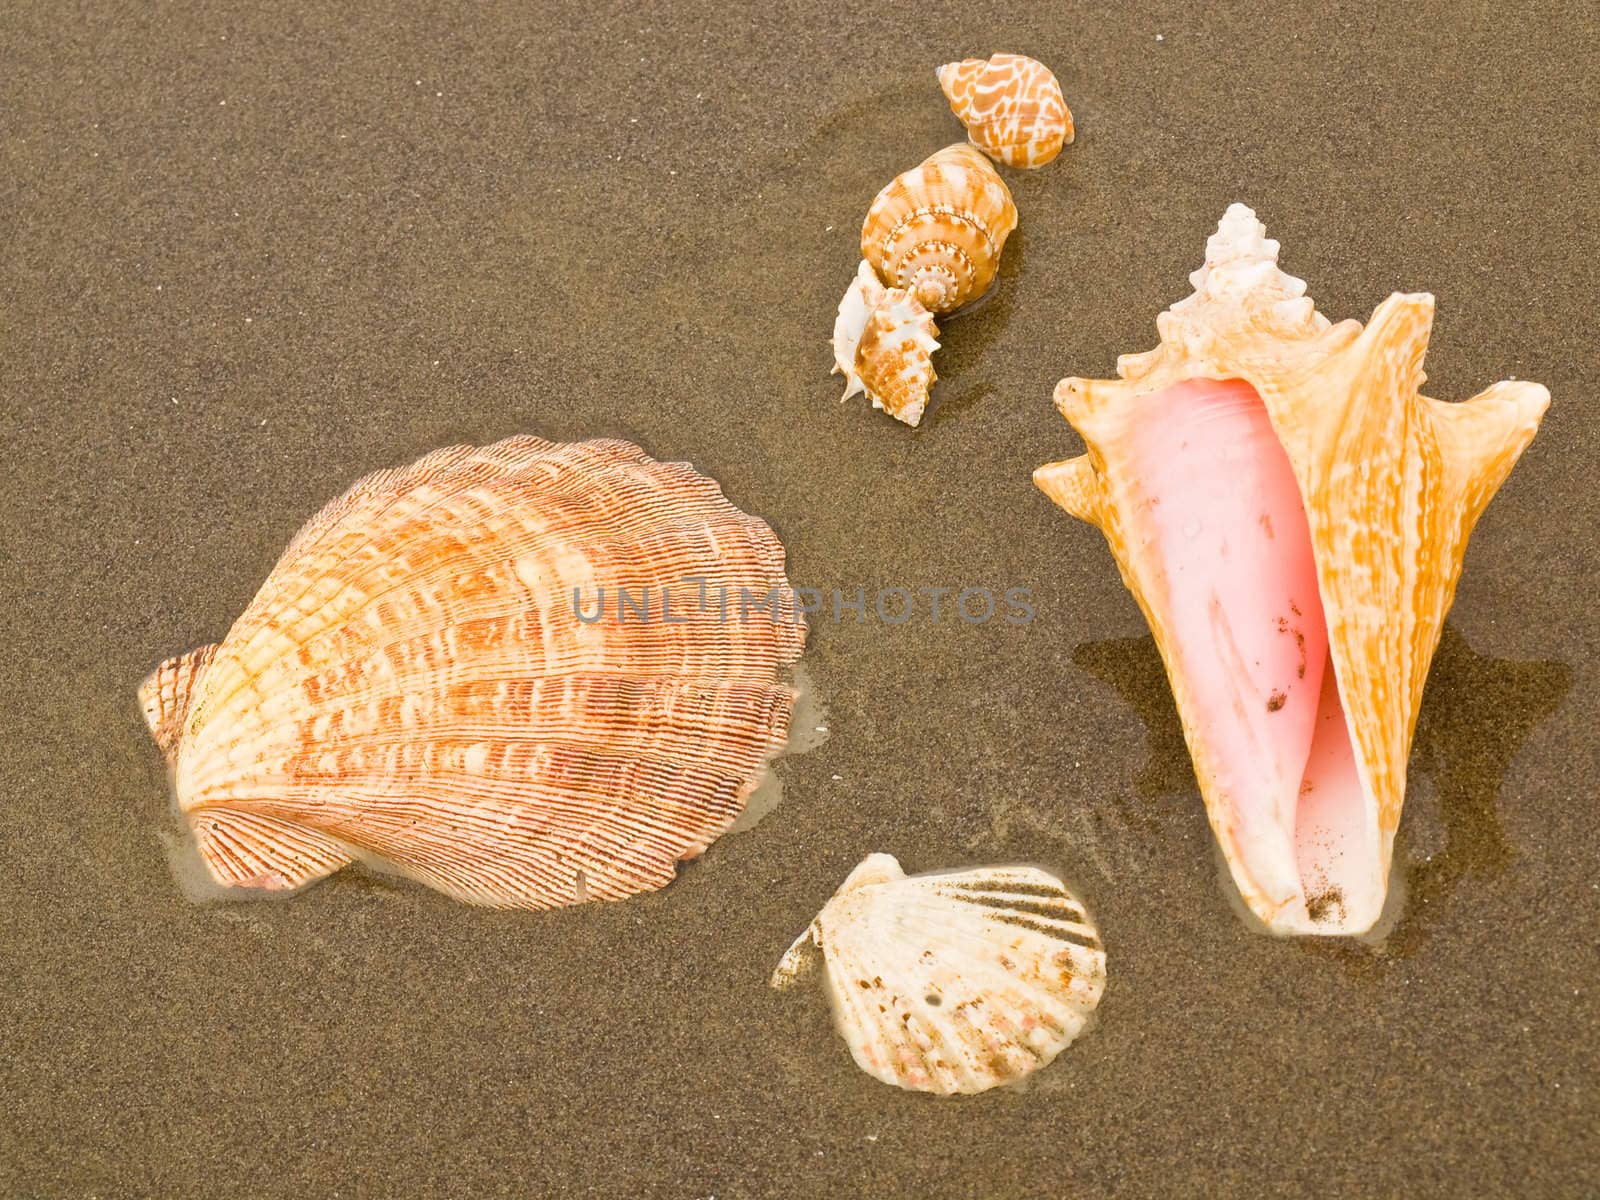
[523, 675]
[953, 982]
[936, 230]
[1012, 107]
[1291, 515]
[883, 343]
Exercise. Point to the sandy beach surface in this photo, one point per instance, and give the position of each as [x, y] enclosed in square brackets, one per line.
[253, 251]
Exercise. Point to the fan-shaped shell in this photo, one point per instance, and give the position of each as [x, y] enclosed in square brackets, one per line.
[953, 982]
[1012, 107]
[937, 230]
[1291, 514]
[491, 670]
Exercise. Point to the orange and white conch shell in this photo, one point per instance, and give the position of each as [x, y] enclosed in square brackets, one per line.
[523, 675]
[883, 343]
[1291, 514]
[953, 982]
[1012, 107]
[937, 230]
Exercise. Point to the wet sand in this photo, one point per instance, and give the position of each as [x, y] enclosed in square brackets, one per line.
[253, 251]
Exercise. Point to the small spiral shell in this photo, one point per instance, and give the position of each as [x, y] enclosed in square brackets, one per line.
[1012, 107]
[936, 230]
[894, 359]
[883, 343]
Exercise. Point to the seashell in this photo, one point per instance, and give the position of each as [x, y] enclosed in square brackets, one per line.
[953, 982]
[1012, 107]
[937, 230]
[883, 342]
[442, 675]
[864, 295]
[894, 361]
[1291, 515]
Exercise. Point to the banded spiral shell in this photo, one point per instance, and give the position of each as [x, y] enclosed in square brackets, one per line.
[440, 675]
[937, 230]
[953, 982]
[883, 343]
[1012, 107]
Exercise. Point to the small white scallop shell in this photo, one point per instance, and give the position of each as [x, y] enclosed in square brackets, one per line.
[953, 982]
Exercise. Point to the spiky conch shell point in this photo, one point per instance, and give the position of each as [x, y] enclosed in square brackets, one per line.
[1391, 483]
[953, 982]
[414, 682]
[937, 230]
[1012, 108]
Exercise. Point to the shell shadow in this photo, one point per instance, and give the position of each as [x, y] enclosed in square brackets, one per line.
[864, 141]
[883, 129]
[1477, 713]
[966, 335]
[1133, 667]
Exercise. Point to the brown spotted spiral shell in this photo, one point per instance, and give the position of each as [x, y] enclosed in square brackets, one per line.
[1012, 107]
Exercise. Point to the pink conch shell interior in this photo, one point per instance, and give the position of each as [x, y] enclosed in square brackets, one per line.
[1249, 633]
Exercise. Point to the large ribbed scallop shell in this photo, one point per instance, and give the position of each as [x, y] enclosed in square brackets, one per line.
[953, 982]
[1291, 514]
[937, 230]
[440, 674]
[1012, 107]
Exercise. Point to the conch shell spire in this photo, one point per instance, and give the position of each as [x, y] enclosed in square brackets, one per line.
[1291, 514]
[1240, 275]
[1239, 293]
